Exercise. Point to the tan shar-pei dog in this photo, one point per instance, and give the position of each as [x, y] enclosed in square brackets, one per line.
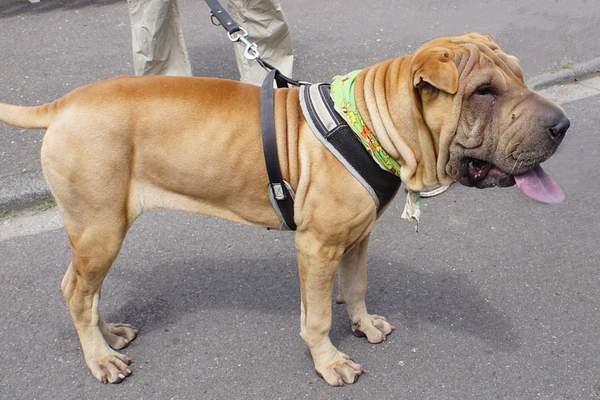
[456, 110]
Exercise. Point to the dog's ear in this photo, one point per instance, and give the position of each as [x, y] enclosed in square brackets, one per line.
[436, 67]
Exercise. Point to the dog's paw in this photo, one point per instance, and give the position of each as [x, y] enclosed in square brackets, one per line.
[342, 372]
[374, 327]
[111, 367]
[118, 336]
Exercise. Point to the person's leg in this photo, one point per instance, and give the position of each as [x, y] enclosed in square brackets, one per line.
[157, 39]
[267, 27]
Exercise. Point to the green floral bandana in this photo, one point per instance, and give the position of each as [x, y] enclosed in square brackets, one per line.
[342, 93]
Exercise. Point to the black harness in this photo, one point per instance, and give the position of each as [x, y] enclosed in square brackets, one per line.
[333, 131]
[325, 123]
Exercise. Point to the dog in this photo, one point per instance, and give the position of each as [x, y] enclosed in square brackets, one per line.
[457, 110]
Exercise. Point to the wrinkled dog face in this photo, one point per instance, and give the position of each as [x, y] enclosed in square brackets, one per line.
[503, 128]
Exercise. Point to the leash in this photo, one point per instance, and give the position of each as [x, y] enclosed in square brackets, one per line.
[238, 34]
[280, 192]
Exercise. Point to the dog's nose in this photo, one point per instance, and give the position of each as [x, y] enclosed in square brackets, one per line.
[558, 130]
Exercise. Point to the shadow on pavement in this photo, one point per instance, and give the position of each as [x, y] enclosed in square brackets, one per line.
[11, 8]
[445, 299]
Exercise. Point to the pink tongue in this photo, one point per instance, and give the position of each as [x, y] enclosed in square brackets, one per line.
[539, 186]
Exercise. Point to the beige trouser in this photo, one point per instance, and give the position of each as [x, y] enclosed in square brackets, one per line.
[159, 47]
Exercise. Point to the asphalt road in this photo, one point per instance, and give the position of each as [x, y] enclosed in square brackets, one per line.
[50, 48]
[495, 298]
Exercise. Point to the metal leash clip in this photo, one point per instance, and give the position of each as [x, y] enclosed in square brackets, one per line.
[251, 51]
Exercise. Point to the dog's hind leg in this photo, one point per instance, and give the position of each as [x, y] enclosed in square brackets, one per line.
[118, 336]
[95, 247]
[87, 163]
[353, 285]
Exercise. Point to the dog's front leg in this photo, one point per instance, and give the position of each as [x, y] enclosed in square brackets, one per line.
[353, 287]
[317, 264]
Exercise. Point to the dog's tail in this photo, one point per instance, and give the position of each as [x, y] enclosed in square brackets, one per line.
[28, 117]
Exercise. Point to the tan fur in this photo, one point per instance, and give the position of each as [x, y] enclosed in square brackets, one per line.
[116, 148]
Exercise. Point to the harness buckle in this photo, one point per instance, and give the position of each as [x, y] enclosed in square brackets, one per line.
[278, 191]
[240, 33]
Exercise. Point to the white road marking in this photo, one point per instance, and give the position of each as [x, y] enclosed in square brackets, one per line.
[571, 92]
[30, 224]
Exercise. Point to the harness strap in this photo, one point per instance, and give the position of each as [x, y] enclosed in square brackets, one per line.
[280, 191]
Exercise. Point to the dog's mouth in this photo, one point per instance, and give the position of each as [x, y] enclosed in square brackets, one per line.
[534, 183]
[483, 174]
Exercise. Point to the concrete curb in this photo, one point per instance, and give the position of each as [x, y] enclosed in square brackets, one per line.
[22, 192]
[29, 191]
[577, 72]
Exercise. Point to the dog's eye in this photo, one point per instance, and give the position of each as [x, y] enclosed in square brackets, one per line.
[485, 90]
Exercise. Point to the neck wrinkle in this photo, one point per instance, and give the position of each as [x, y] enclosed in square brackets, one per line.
[372, 103]
[387, 105]
[375, 102]
[398, 118]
